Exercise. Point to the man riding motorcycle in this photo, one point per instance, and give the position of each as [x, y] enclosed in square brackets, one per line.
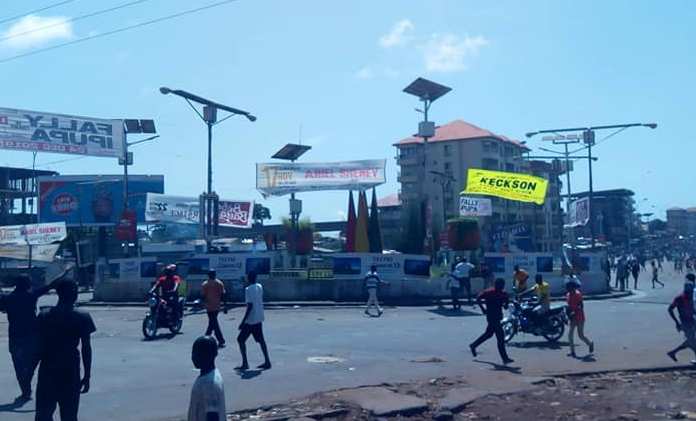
[168, 284]
[542, 290]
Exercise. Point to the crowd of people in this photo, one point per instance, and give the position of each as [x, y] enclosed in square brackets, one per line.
[57, 340]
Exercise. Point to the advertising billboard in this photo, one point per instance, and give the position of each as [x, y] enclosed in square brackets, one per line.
[474, 206]
[186, 210]
[32, 234]
[579, 212]
[508, 185]
[94, 200]
[57, 133]
[278, 179]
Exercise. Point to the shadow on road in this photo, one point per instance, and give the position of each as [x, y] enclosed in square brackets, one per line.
[248, 374]
[538, 344]
[589, 358]
[15, 407]
[448, 312]
[501, 367]
[162, 336]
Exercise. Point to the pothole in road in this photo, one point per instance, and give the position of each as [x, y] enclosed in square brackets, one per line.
[326, 359]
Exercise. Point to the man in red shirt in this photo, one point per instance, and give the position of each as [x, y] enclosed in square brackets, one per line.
[168, 284]
[684, 303]
[576, 312]
[495, 299]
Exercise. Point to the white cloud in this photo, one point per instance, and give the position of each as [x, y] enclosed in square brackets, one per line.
[33, 31]
[399, 34]
[448, 52]
[365, 73]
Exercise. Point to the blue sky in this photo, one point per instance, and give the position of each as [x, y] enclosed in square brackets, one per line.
[337, 70]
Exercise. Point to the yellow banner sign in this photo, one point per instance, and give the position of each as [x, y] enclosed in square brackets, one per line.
[508, 185]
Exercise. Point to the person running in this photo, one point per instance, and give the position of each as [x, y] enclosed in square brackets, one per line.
[635, 271]
[208, 392]
[214, 296]
[20, 306]
[252, 323]
[655, 275]
[61, 329]
[463, 272]
[684, 303]
[372, 283]
[576, 310]
[519, 279]
[454, 285]
[495, 300]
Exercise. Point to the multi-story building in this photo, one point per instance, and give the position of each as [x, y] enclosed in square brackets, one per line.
[614, 216]
[437, 170]
[682, 221]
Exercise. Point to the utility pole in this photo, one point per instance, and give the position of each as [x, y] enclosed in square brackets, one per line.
[588, 137]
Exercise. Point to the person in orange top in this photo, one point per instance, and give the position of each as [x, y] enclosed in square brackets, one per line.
[519, 279]
[213, 291]
[576, 311]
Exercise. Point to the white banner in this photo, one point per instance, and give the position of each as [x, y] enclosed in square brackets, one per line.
[186, 210]
[278, 179]
[58, 133]
[39, 253]
[33, 234]
[579, 212]
[473, 206]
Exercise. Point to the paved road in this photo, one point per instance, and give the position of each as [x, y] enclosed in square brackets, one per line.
[138, 380]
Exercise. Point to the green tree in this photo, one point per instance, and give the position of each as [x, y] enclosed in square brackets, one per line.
[261, 213]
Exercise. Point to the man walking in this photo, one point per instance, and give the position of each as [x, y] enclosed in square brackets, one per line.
[20, 306]
[454, 285]
[463, 272]
[61, 329]
[372, 282]
[655, 275]
[635, 271]
[495, 299]
[685, 306]
[213, 291]
[208, 392]
[252, 323]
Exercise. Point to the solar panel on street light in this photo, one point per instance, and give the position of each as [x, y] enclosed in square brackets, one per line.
[291, 151]
[426, 89]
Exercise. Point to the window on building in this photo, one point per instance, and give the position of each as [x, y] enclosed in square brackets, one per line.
[510, 167]
[448, 166]
[490, 164]
[447, 150]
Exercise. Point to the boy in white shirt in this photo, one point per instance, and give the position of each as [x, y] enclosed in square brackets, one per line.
[252, 323]
[208, 392]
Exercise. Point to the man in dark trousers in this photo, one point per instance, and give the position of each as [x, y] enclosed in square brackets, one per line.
[20, 306]
[214, 297]
[686, 323]
[495, 299]
[252, 323]
[61, 329]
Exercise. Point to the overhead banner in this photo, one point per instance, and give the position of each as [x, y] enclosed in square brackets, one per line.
[32, 234]
[94, 200]
[186, 210]
[474, 206]
[278, 179]
[578, 212]
[40, 253]
[45, 132]
[508, 185]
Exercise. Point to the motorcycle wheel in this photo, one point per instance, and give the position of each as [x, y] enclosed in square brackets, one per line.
[554, 330]
[149, 327]
[509, 329]
[176, 327]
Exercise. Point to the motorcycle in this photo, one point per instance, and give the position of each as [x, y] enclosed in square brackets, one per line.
[550, 325]
[162, 315]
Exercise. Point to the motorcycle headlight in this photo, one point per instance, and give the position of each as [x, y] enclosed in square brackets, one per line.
[152, 301]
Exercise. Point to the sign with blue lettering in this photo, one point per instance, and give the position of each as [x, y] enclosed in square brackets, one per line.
[43, 132]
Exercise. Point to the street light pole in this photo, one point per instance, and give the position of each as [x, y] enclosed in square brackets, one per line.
[588, 134]
[209, 117]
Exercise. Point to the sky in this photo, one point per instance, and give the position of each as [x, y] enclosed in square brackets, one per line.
[331, 74]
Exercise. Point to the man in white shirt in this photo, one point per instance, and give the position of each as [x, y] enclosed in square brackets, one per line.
[463, 271]
[208, 392]
[252, 323]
